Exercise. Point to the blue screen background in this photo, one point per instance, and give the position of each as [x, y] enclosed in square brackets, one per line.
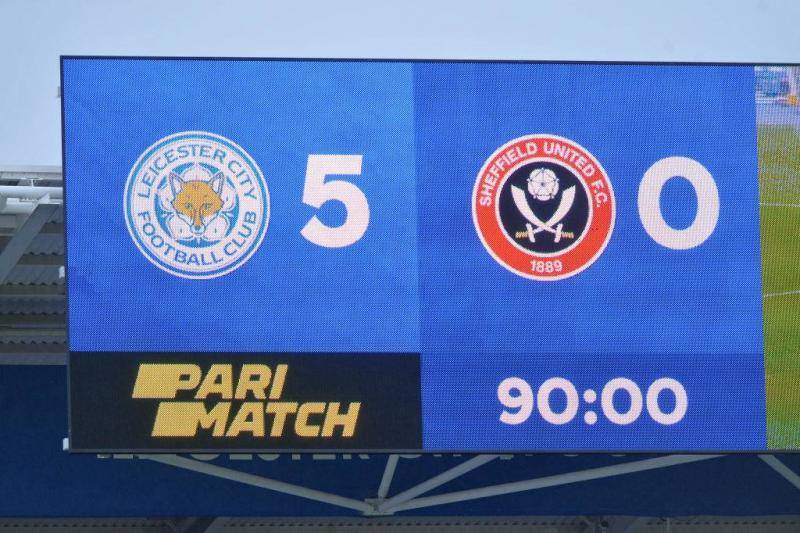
[291, 295]
[420, 280]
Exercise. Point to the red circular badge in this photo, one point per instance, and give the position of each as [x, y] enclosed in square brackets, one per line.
[543, 207]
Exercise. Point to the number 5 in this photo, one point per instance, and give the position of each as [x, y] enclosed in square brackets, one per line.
[317, 191]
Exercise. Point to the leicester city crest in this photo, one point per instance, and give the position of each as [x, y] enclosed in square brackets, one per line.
[196, 205]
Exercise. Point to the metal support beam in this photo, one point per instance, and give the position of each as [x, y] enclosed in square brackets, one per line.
[388, 474]
[787, 473]
[53, 260]
[195, 525]
[30, 175]
[30, 292]
[34, 359]
[7, 230]
[627, 524]
[32, 320]
[22, 239]
[550, 481]
[28, 192]
[258, 481]
[448, 475]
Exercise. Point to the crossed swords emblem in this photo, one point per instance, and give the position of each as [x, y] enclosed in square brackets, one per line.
[567, 199]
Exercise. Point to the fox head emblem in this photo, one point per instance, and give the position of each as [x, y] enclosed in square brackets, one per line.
[196, 205]
[197, 201]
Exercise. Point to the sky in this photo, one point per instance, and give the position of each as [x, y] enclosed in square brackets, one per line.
[33, 33]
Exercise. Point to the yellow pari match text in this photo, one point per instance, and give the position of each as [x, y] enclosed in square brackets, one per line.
[230, 403]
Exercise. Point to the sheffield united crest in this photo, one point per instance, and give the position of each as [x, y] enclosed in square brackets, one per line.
[543, 207]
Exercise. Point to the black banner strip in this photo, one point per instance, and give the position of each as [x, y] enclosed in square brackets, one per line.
[139, 402]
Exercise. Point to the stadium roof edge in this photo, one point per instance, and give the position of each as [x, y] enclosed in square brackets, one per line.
[44, 169]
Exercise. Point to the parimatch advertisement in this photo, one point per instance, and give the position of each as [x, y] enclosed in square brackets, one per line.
[450, 256]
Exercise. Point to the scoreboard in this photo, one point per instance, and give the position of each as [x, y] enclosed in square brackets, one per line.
[429, 256]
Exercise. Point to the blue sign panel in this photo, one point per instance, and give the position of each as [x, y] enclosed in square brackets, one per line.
[540, 257]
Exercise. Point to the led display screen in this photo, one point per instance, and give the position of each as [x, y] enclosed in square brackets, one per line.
[431, 255]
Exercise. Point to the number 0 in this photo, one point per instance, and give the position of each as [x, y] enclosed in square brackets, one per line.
[317, 191]
[705, 188]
